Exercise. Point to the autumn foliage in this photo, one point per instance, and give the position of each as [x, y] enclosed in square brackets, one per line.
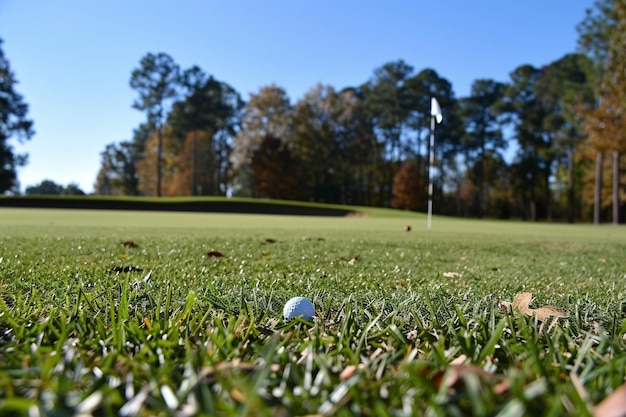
[407, 189]
[276, 172]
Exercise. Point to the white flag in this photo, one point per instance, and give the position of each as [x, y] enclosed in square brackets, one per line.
[435, 110]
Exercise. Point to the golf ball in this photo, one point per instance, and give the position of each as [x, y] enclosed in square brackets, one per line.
[299, 307]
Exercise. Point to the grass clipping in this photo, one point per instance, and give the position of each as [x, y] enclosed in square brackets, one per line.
[521, 303]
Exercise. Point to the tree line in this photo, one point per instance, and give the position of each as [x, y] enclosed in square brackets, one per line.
[545, 144]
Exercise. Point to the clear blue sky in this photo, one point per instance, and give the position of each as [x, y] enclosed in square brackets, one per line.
[73, 58]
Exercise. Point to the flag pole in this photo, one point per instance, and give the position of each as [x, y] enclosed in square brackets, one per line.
[435, 116]
[430, 171]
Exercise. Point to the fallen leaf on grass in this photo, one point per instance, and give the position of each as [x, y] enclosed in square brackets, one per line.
[119, 269]
[130, 244]
[602, 260]
[463, 258]
[612, 406]
[268, 240]
[452, 275]
[321, 239]
[214, 254]
[521, 303]
[351, 261]
[454, 378]
[210, 373]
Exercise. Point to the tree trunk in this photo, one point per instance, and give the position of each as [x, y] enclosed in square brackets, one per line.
[615, 188]
[159, 169]
[597, 190]
[194, 164]
[570, 186]
[533, 209]
[533, 198]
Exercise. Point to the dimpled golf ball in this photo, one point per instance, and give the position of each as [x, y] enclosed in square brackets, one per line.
[299, 307]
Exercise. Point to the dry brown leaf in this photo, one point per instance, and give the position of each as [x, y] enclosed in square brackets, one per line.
[209, 373]
[521, 303]
[454, 378]
[214, 254]
[321, 239]
[463, 258]
[602, 260]
[549, 311]
[119, 269]
[612, 406]
[130, 244]
[452, 275]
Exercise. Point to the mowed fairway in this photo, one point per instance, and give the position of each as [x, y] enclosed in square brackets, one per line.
[157, 313]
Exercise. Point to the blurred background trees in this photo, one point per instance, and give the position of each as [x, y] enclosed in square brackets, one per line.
[49, 187]
[545, 144]
[14, 124]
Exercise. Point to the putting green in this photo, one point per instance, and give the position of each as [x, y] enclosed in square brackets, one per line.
[31, 220]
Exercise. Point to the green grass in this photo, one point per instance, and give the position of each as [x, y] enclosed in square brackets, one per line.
[187, 334]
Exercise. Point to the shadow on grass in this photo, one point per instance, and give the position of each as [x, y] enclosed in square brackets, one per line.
[213, 205]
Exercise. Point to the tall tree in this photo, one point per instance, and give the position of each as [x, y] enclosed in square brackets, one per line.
[602, 35]
[211, 111]
[166, 146]
[268, 114]
[529, 114]
[614, 86]
[156, 80]
[565, 89]
[390, 104]
[118, 171]
[360, 153]
[483, 132]
[316, 136]
[594, 33]
[13, 124]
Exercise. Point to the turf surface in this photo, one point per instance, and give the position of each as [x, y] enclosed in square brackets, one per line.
[107, 312]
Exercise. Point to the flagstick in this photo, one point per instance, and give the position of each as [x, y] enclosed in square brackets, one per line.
[430, 170]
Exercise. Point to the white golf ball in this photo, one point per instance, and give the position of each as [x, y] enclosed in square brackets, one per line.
[299, 307]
